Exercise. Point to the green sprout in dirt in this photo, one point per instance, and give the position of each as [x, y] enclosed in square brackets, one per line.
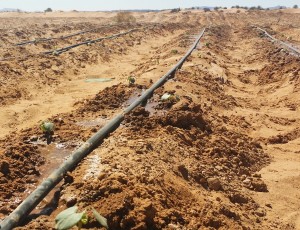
[47, 127]
[131, 80]
[36, 40]
[207, 44]
[55, 53]
[70, 217]
[173, 98]
[174, 51]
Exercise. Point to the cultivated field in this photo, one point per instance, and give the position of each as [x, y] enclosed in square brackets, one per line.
[222, 152]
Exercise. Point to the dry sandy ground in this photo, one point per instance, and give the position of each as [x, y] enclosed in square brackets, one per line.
[225, 156]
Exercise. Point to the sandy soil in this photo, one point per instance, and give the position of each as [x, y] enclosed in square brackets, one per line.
[223, 156]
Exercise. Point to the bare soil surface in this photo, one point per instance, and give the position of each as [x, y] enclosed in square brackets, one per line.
[225, 155]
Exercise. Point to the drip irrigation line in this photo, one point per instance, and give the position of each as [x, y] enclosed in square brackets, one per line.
[55, 177]
[60, 38]
[279, 41]
[88, 42]
[65, 49]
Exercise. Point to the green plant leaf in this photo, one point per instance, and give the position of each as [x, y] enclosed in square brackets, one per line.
[165, 97]
[65, 213]
[131, 80]
[102, 220]
[70, 221]
[47, 126]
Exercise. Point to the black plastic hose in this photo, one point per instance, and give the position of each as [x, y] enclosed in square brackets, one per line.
[62, 37]
[65, 49]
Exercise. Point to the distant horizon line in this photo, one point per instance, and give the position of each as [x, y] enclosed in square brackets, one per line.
[134, 10]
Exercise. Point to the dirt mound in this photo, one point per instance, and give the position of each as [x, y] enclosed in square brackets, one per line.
[110, 98]
[285, 138]
[18, 167]
[284, 64]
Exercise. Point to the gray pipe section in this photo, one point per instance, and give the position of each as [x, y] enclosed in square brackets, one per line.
[48, 184]
[281, 42]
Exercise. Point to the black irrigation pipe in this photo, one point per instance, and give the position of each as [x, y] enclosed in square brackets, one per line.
[60, 38]
[88, 42]
[55, 177]
[277, 40]
[65, 49]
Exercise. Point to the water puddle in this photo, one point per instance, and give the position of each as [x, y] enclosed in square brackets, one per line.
[152, 105]
[55, 154]
[136, 94]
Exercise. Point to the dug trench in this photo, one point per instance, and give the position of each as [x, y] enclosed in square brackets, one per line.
[187, 163]
[32, 87]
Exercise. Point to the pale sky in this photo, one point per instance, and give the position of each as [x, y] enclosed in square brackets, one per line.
[94, 5]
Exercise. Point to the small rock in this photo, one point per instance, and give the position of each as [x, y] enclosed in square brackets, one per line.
[235, 160]
[173, 226]
[243, 177]
[70, 201]
[214, 184]
[102, 176]
[258, 175]
[260, 212]
[259, 185]
[238, 198]
[4, 167]
[269, 205]
[247, 181]
[218, 167]
[33, 138]
[3, 180]
[184, 172]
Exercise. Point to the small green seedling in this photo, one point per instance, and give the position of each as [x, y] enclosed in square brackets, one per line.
[131, 80]
[174, 51]
[55, 53]
[174, 98]
[170, 98]
[165, 97]
[207, 44]
[35, 41]
[47, 127]
[70, 217]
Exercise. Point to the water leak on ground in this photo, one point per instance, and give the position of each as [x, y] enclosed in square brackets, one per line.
[55, 154]
[152, 105]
